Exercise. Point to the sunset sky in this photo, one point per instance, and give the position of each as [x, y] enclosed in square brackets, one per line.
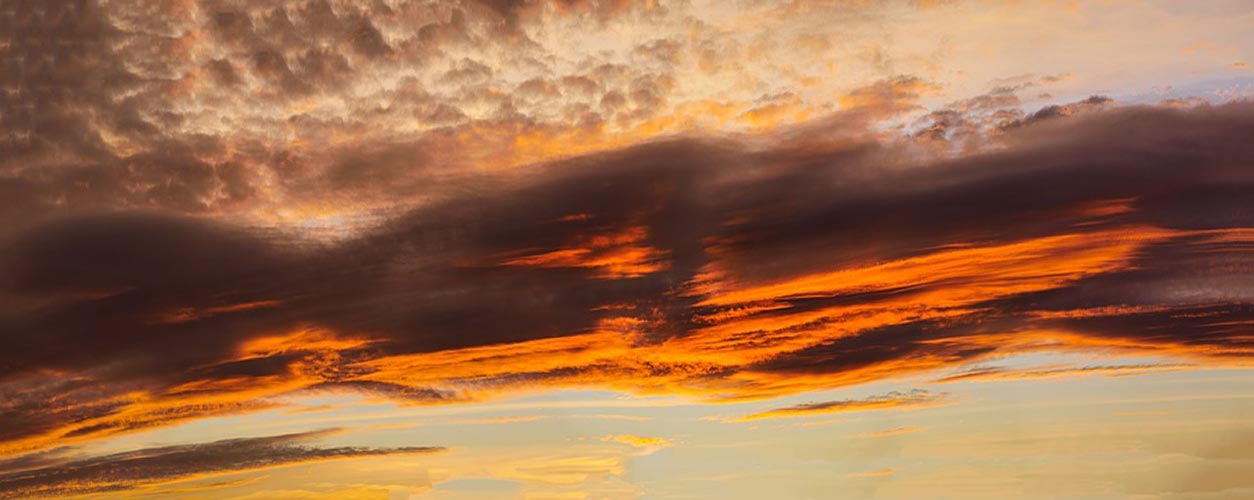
[604, 249]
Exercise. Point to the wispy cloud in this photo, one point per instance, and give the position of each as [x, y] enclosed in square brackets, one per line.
[914, 399]
[157, 465]
[994, 373]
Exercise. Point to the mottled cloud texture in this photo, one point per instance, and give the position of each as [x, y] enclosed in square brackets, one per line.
[208, 205]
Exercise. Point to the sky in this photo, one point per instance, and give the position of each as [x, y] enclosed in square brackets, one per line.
[603, 249]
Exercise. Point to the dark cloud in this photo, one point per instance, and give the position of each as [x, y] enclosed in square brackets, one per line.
[1056, 110]
[84, 129]
[127, 470]
[516, 11]
[556, 250]
[146, 148]
[366, 38]
[58, 69]
[111, 107]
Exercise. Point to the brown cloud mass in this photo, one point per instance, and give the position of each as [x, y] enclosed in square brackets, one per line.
[689, 266]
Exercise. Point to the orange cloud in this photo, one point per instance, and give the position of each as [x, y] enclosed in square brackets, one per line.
[711, 281]
[613, 256]
[746, 325]
[638, 441]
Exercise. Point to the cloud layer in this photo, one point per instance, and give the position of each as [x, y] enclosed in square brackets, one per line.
[700, 267]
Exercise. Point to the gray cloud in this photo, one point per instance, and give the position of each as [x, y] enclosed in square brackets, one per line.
[127, 470]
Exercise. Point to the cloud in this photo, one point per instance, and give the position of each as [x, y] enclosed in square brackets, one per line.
[638, 441]
[213, 206]
[147, 466]
[647, 445]
[1000, 373]
[724, 269]
[895, 400]
[888, 96]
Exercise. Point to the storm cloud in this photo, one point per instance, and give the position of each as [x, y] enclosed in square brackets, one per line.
[688, 263]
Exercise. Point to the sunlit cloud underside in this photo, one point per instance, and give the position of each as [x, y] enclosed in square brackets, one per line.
[617, 249]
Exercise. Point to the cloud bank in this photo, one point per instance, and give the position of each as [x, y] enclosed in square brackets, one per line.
[698, 267]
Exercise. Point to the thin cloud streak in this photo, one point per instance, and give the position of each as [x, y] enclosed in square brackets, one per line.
[995, 373]
[912, 400]
[128, 470]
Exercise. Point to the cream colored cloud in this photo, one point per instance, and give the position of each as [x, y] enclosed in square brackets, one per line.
[638, 441]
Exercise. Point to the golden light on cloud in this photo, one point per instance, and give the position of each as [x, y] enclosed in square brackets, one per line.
[638, 441]
[546, 237]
